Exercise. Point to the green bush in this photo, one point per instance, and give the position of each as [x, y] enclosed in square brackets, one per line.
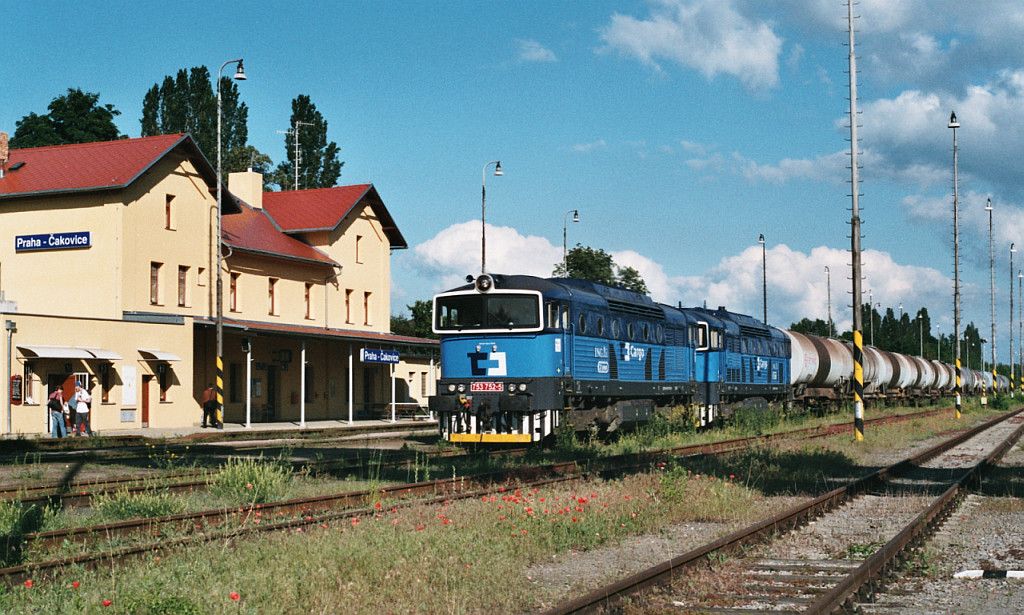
[252, 481]
[122, 504]
[755, 419]
[16, 520]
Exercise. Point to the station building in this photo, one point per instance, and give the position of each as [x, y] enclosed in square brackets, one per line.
[108, 257]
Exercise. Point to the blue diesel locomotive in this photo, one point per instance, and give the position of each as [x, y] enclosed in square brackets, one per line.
[521, 355]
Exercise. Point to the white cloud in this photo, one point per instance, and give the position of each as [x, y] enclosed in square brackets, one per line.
[454, 253]
[532, 51]
[797, 283]
[710, 36]
[586, 148]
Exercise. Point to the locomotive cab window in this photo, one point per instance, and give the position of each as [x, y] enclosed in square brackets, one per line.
[700, 335]
[491, 311]
[553, 316]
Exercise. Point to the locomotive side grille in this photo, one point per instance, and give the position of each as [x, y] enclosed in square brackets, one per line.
[661, 365]
[647, 367]
[613, 363]
[647, 311]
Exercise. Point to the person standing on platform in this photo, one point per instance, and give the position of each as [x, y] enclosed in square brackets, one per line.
[209, 401]
[82, 399]
[55, 405]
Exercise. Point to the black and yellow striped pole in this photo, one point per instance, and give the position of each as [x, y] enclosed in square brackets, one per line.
[858, 385]
[858, 318]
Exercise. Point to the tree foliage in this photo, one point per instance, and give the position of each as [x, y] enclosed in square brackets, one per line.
[420, 322]
[596, 265]
[319, 166]
[814, 327]
[187, 103]
[76, 117]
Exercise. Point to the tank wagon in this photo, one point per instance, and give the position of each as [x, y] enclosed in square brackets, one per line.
[522, 355]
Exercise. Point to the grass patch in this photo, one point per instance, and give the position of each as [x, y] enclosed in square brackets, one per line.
[122, 504]
[252, 481]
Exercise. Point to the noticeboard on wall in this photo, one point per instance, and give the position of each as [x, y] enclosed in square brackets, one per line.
[129, 387]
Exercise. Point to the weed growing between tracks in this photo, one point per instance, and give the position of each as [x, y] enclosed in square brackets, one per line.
[460, 556]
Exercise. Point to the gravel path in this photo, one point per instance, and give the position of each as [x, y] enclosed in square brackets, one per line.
[986, 532]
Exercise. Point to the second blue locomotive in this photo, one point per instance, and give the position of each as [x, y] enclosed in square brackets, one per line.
[521, 355]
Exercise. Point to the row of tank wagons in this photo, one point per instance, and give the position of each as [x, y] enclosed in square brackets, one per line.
[820, 365]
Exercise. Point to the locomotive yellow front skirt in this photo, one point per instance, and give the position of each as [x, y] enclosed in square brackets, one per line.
[490, 437]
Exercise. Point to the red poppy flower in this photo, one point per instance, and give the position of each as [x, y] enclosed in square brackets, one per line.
[732, 476]
[378, 505]
[28, 584]
[75, 584]
[107, 602]
[234, 596]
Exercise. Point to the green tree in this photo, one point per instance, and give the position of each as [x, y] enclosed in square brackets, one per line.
[586, 263]
[419, 324]
[629, 277]
[76, 117]
[187, 103]
[813, 327]
[319, 166]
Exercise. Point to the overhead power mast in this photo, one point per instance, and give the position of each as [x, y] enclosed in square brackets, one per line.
[858, 336]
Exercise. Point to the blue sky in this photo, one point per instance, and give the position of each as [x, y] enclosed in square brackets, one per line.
[681, 129]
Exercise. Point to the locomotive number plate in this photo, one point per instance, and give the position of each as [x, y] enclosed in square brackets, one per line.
[487, 387]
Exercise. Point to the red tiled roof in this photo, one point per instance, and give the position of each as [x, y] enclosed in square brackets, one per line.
[366, 336]
[253, 231]
[323, 209]
[85, 167]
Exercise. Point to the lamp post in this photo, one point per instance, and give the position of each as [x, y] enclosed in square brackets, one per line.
[1020, 330]
[10, 327]
[954, 124]
[240, 76]
[992, 288]
[565, 233]
[938, 343]
[764, 277]
[828, 286]
[1013, 363]
[920, 333]
[901, 311]
[483, 210]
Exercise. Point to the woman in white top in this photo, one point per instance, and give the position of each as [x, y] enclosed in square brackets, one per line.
[83, 400]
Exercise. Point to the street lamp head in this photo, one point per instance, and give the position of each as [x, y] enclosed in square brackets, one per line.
[497, 170]
[1013, 248]
[575, 215]
[240, 73]
[760, 239]
[988, 205]
[953, 123]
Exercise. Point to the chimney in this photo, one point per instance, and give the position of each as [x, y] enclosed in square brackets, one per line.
[5, 153]
[248, 186]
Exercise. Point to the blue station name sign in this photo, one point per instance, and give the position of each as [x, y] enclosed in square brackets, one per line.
[376, 355]
[52, 241]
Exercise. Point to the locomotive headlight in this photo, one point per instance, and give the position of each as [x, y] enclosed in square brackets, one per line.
[451, 388]
[522, 387]
[462, 388]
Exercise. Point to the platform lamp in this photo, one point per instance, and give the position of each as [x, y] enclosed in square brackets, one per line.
[483, 210]
[764, 277]
[10, 327]
[565, 233]
[1013, 364]
[239, 76]
[954, 124]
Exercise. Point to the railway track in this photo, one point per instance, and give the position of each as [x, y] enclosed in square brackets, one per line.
[181, 528]
[882, 516]
[80, 493]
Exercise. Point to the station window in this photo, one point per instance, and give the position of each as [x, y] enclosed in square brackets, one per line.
[201, 276]
[234, 379]
[163, 372]
[348, 306]
[27, 378]
[233, 291]
[169, 212]
[105, 382]
[423, 384]
[182, 286]
[154, 282]
[272, 295]
[310, 379]
[359, 247]
[309, 300]
[366, 307]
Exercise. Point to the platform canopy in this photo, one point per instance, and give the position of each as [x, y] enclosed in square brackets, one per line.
[158, 355]
[33, 351]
